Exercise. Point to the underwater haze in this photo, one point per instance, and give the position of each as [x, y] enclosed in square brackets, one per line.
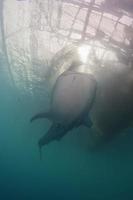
[68, 169]
[31, 33]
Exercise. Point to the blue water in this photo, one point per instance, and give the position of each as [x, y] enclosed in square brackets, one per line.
[68, 169]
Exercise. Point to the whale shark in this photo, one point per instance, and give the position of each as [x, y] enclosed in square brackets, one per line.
[71, 100]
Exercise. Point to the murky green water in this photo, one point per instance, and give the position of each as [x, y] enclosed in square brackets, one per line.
[68, 169]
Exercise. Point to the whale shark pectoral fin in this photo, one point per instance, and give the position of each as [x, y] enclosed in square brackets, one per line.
[87, 122]
[41, 115]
